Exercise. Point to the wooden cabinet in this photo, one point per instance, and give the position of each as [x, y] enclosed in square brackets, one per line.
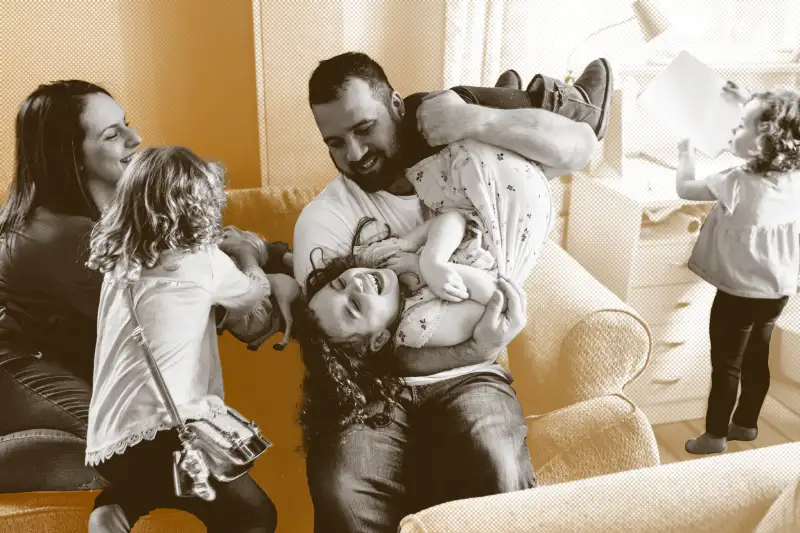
[645, 264]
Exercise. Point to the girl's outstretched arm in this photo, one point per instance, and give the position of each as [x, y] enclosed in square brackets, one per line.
[445, 234]
[687, 186]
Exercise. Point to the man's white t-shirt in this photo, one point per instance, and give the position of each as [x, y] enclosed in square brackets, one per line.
[327, 226]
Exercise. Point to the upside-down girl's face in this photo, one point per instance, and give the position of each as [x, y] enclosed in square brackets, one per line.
[362, 303]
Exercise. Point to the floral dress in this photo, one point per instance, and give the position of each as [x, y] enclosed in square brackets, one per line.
[506, 201]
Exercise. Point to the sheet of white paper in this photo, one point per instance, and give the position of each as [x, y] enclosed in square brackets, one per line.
[687, 98]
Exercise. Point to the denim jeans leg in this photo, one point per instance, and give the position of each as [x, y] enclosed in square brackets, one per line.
[358, 482]
[43, 427]
[37, 393]
[476, 430]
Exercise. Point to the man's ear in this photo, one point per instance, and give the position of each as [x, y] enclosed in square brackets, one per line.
[398, 105]
[378, 340]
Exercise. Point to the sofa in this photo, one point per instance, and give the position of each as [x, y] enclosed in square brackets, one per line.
[581, 346]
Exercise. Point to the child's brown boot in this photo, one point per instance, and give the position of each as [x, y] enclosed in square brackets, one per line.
[587, 100]
[509, 79]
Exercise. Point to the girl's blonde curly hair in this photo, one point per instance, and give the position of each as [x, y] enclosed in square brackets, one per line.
[167, 199]
[778, 140]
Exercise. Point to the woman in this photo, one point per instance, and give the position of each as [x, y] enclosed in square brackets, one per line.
[72, 145]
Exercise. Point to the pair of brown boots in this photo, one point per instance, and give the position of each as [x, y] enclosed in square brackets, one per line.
[587, 100]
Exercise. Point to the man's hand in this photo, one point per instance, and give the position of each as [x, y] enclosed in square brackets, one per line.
[503, 320]
[444, 118]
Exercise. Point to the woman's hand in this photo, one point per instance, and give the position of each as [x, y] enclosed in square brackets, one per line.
[285, 290]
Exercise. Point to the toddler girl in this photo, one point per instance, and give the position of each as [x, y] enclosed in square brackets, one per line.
[748, 249]
[490, 214]
[160, 235]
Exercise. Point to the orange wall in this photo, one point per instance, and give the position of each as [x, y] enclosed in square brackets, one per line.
[182, 69]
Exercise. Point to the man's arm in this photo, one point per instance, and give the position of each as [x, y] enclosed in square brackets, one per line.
[505, 317]
[547, 138]
[542, 136]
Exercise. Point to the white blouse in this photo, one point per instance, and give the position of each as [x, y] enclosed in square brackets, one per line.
[749, 245]
[174, 303]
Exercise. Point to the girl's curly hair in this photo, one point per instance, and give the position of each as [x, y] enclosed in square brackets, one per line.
[167, 198]
[341, 379]
[778, 140]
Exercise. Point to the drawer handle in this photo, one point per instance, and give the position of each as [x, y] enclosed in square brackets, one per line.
[681, 305]
[672, 344]
[666, 381]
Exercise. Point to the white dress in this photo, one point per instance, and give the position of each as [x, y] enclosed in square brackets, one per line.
[174, 303]
[506, 201]
[749, 246]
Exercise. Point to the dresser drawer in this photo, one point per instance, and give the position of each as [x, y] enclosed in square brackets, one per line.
[674, 351]
[665, 304]
[663, 263]
[678, 374]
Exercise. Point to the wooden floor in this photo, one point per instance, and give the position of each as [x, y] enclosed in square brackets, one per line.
[779, 424]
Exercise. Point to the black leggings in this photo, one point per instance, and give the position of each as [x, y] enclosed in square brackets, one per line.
[141, 481]
[740, 331]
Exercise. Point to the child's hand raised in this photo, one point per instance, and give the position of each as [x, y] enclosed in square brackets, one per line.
[685, 146]
[734, 93]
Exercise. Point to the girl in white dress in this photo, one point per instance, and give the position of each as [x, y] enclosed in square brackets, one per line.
[490, 213]
[160, 235]
[749, 249]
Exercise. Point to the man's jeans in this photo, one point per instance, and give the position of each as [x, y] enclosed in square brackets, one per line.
[460, 438]
[43, 427]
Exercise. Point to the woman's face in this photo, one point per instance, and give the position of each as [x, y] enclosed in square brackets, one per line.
[109, 142]
[362, 302]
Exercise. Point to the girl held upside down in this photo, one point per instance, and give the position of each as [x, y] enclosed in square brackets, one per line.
[490, 215]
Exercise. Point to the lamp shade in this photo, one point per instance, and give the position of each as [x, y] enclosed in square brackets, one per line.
[651, 21]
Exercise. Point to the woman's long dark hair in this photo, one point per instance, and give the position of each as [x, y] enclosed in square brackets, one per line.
[49, 155]
[341, 380]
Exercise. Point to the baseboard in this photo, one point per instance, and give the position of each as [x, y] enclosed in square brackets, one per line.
[666, 413]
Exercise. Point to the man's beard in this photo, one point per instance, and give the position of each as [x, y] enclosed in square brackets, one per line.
[391, 170]
[381, 180]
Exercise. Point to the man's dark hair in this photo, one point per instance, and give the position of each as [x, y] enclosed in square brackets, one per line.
[331, 75]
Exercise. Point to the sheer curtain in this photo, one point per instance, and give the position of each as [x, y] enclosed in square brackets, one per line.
[405, 36]
[483, 38]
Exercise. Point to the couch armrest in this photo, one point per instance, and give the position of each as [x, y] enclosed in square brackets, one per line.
[581, 341]
[591, 438]
[730, 493]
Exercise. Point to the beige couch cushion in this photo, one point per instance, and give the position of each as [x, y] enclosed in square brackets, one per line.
[784, 515]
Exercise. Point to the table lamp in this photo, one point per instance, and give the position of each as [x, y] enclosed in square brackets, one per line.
[652, 23]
